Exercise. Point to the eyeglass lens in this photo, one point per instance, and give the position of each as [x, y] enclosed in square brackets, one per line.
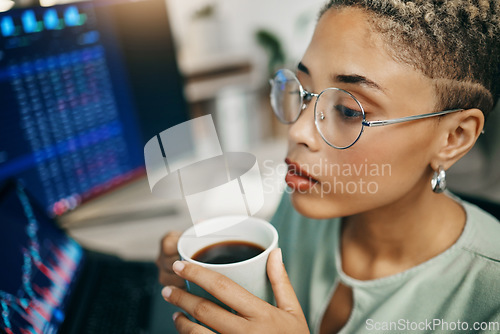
[338, 115]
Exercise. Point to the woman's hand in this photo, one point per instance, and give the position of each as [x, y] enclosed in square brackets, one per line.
[253, 314]
[168, 255]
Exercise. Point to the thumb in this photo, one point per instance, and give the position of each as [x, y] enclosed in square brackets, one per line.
[282, 288]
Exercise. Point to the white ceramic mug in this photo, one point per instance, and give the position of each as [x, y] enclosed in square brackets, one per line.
[251, 274]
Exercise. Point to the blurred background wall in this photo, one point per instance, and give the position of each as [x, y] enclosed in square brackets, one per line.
[238, 21]
[228, 50]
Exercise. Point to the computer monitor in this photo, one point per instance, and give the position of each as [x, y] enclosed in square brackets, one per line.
[82, 87]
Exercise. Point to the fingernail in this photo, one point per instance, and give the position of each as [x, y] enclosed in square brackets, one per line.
[178, 266]
[166, 292]
[175, 315]
[280, 255]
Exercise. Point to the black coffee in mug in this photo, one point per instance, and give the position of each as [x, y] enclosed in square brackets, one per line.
[227, 252]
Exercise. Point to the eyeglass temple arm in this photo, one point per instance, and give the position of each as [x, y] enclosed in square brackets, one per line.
[408, 118]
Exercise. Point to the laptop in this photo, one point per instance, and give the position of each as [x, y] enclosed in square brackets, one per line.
[51, 284]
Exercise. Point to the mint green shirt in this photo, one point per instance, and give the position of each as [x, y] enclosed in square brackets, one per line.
[457, 291]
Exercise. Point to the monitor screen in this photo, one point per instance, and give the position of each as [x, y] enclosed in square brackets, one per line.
[42, 263]
[78, 84]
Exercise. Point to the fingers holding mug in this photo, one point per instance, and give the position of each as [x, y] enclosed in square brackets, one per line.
[167, 256]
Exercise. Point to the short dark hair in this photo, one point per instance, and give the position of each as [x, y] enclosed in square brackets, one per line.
[454, 42]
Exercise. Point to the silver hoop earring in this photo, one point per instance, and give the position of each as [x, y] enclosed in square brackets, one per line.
[438, 181]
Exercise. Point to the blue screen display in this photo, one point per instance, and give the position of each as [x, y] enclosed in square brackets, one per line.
[68, 126]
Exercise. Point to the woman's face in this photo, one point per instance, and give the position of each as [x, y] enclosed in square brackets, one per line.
[388, 163]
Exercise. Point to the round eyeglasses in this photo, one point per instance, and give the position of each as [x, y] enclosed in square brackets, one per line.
[338, 115]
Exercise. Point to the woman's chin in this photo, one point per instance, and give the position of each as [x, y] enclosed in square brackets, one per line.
[309, 206]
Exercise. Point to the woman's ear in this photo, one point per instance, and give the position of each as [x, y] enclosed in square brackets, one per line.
[461, 133]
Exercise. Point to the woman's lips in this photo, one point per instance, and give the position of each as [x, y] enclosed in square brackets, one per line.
[298, 179]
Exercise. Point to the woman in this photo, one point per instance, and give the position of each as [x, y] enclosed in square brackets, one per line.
[404, 256]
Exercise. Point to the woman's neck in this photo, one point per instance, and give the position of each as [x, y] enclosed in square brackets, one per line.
[398, 237]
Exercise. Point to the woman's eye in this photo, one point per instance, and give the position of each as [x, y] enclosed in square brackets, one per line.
[347, 112]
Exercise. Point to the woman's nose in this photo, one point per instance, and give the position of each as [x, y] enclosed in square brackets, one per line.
[303, 131]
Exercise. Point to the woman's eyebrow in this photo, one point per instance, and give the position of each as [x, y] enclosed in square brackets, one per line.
[301, 67]
[347, 78]
[356, 79]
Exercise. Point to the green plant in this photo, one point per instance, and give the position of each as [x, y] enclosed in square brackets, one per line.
[272, 45]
